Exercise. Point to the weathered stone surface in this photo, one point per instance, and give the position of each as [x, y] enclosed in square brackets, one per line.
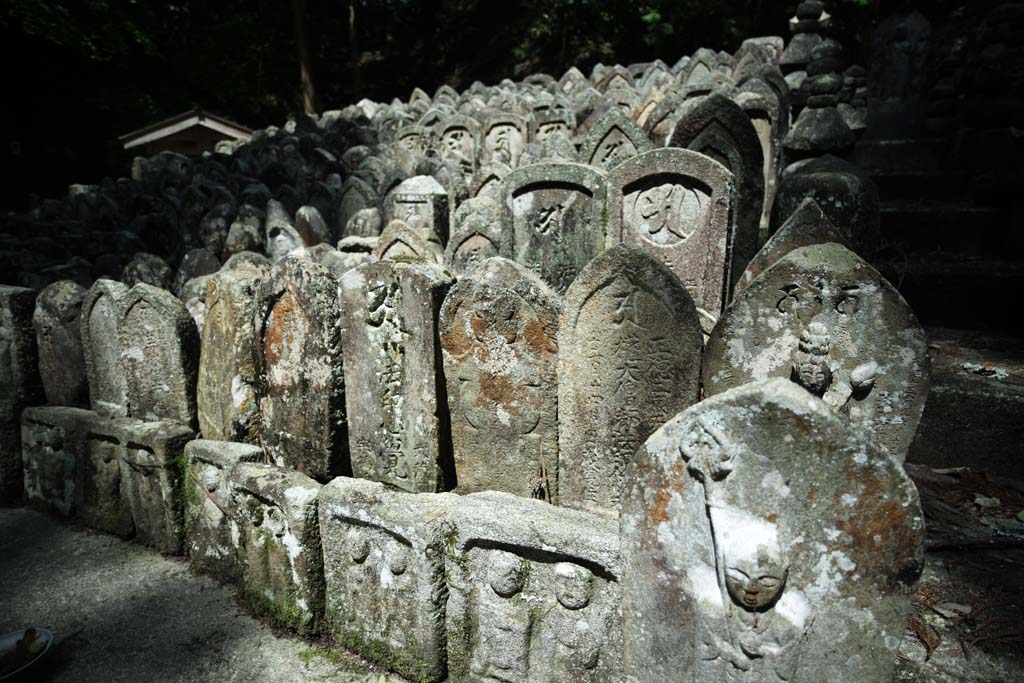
[675, 205]
[103, 503]
[59, 342]
[499, 328]
[49, 457]
[19, 382]
[489, 182]
[459, 144]
[534, 593]
[356, 196]
[504, 138]
[300, 381]
[193, 294]
[149, 269]
[195, 263]
[629, 359]
[824, 318]
[311, 226]
[384, 571]
[554, 219]
[279, 544]
[397, 411]
[805, 226]
[152, 474]
[364, 223]
[765, 538]
[160, 355]
[226, 390]
[717, 127]
[612, 140]
[281, 236]
[102, 310]
[212, 532]
[400, 242]
[421, 203]
[476, 234]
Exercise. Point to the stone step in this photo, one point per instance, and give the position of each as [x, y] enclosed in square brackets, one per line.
[947, 226]
[915, 154]
[973, 417]
[935, 185]
[952, 290]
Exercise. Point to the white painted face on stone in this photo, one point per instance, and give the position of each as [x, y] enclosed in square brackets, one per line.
[574, 585]
[358, 546]
[755, 584]
[755, 569]
[506, 574]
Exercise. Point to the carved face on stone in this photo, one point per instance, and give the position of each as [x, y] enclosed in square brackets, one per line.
[358, 546]
[398, 558]
[506, 574]
[751, 552]
[755, 584]
[574, 585]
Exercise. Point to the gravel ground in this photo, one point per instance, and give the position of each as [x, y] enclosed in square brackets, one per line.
[122, 612]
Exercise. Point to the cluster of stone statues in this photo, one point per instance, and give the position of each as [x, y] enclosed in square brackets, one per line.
[556, 406]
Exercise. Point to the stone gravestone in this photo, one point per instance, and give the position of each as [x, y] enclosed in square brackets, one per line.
[554, 219]
[716, 126]
[765, 538]
[160, 353]
[357, 196]
[102, 308]
[504, 138]
[102, 502]
[212, 533]
[805, 226]
[675, 205]
[476, 234]
[299, 376]
[19, 382]
[824, 318]
[226, 391]
[629, 356]
[59, 341]
[384, 571]
[279, 544]
[489, 182]
[613, 139]
[499, 327]
[421, 203]
[50, 457]
[397, 411]
[399, 242]
[459, 142]
[534, 593]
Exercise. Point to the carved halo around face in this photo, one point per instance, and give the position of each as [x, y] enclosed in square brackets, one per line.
[574, 585]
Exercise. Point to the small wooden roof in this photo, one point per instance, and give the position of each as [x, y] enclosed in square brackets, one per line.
[184, 121]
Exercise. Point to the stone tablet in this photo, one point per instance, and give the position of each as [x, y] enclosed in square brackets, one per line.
[59, 341]
[103, 501]
[50, 458]
[499, 327]
[300, 381]
[489, 182]
[384, 571]
[399, 242]
[675, 205]
[102, 308]
[504, 138]
[476, 234]
[19, 382]
[805, 226]
[717, 127]
[397, 412]
[554, 219]
[824, 318]
[629, 359]
[226, 391]
[152, 474]
[421, 203]
[279, 544]
[534, 593]
[459, 142]
[612, 140]
[765, 538]
[356, 195]
[160, 351]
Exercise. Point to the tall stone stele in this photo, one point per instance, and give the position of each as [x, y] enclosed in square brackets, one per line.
[629, 355]
[766, 539]
[397, 414]
[499, 328]
[59, 341]
[824, 319]
[102, 308]
[19, 382]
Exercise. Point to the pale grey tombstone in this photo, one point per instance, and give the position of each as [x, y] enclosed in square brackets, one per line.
[384, 571]
[504, 137]
[824, 318]
[629, 355]
[765, 538]
[675, 204]
[299, 379]
[459, 144]
[554, 220]
[398, 424]
[613, 139]
[226, 399]
[399, 242]
[59, 342]
[281, 237]
[160, 354]
[499, 327]
[421, 203]
[476, 234]
[533, 592]
[488, 181]
[102, 308]
[364, 223]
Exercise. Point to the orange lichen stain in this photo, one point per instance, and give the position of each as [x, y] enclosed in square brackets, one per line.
[675, 480]
[538, 340]
[279, 324]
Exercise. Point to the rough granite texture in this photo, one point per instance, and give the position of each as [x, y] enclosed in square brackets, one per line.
[613, 139]
[59, 343]
[399, 242]
[102, 309]
[420, 202]
[476, 234]
[822, 317]
[765, 538]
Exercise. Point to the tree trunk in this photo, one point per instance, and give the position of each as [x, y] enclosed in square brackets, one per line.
[353, 51]
[302, 49]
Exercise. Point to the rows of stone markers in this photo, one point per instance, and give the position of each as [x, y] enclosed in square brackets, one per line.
[560, 420]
